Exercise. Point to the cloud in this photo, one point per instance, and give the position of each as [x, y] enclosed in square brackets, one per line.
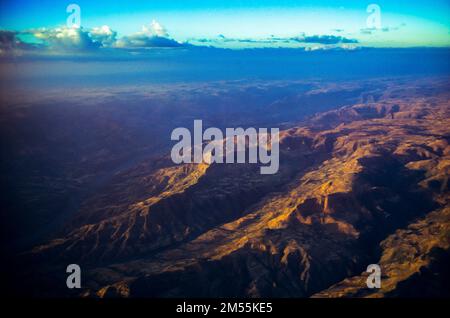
[367, 30]
[145, 41]
[157, 29]
[103, 35]
[150, 37]
[324, 39]
[383, 29]
[10, 44]
[63, 40]
[7, 39]
[79, 39]
[67, 39]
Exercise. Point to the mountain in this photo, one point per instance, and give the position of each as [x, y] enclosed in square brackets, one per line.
[362, 183]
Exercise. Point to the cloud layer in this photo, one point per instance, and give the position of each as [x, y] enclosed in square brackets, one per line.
[66, 40]
[150, 37]
[301, 41]
[79, 39]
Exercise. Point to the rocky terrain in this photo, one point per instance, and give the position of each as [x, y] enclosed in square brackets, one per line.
[366, 182]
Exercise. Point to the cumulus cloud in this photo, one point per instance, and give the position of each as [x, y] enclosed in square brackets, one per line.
[65, 38]
[103, 35]
[79, 39]
[151, 36]
[395, 28]
[154, 35]
[157, 29]
[223, 39]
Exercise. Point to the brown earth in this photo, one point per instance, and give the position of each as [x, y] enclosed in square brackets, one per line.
[366, 183]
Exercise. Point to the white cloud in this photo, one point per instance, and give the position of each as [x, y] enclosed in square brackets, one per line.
[103, 35]
[154, 35]
[79, 39]
[65, 38]
[156, 29]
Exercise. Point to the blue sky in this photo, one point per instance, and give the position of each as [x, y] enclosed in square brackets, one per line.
[247, 23]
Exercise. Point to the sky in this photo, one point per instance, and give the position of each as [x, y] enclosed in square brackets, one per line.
[231, 23]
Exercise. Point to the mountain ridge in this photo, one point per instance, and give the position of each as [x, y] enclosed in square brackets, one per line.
[351, 180]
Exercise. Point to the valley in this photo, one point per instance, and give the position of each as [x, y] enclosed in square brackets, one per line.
[362, 181]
